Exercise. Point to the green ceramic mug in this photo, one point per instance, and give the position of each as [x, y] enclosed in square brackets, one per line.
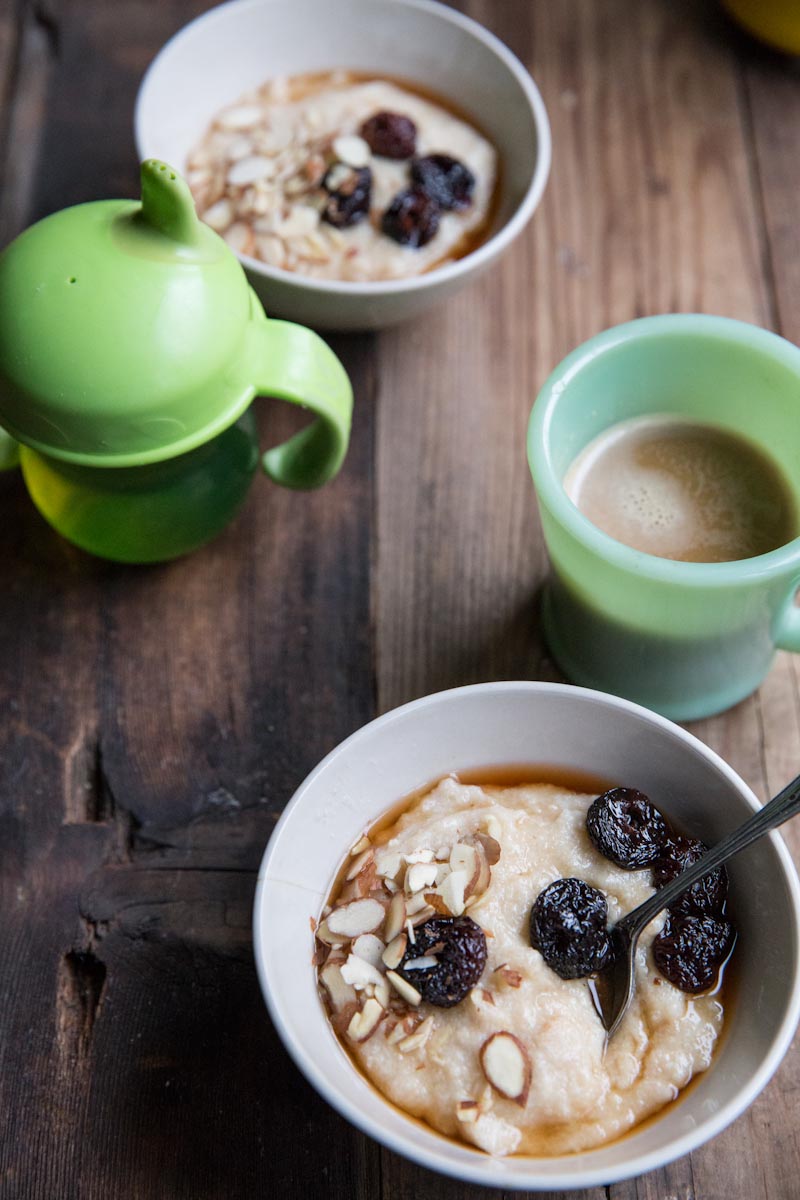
[686, 639]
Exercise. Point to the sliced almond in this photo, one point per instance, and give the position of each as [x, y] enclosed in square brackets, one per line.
[363, 1024]
[481, 998]
[357, 917]
[242, 116]
[352, 149]
[337, 175]
[419, 856]
[415, 904]
[270, 250]
[421, 915]
[370, 948]
[249, 170]
[478, 885]
[240, 238]
[404, 989]
[452, 891]
[437, 903]
[340, 993]
[507, 977]
[397, 1034]
[324, 934]
[388, 864]
[464, 857]
[506, 1065]
[359, 862]
[423, 963]
[366, 881]
[364, 977]
[219, 216]
[492, 826]
[419, 876]
[418, 1038]
[395, 917]
[302, 219]
[490, 845]
[393, 954]
[467, 1111]
[361, 845]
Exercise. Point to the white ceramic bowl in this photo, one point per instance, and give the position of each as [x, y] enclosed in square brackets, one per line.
[512, 723]
[239, 45]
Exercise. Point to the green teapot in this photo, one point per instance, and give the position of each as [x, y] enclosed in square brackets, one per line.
[131, 349]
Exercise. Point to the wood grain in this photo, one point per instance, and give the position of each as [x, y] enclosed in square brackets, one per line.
[156, 721]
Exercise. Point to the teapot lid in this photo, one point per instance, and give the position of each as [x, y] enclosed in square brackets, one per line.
[125, 329]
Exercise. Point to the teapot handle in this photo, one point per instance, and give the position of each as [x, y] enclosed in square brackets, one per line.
[295, 364]
[9, 451]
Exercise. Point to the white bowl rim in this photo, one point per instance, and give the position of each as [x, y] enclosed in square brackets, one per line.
[484, 1171]
[484, 253]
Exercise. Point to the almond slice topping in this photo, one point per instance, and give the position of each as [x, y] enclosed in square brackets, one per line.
[419, 876]
[409, 993]
[506, 1065]
[369, 947]
[340, 993]
[395, 917]
[418, 1038]
[324, 934]
[363, 1024]
[357, 917]
[359, 862]
[393, 954]
[452, 891]
[415, 904]
[364, 977]
[361, 845]
[490, 845]
[507, 977]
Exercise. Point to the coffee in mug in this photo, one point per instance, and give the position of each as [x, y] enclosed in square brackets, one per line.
[684, 490]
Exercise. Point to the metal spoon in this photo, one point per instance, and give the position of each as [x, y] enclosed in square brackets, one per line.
[612, 989]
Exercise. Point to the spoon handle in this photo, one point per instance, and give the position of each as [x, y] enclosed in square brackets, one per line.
[783, 806]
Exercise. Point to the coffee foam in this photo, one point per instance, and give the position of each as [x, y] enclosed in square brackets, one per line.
[683, 490]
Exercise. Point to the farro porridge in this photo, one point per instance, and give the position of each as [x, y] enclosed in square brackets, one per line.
[427, 969]
[335, 176]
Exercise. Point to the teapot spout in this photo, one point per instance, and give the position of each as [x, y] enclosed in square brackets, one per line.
[167, 203]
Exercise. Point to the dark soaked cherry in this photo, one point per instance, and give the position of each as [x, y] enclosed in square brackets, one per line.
[707, 896]
[412, 218]
[390, 135]
[568, 928]
[627, 828]
[459, 946]
[690, 950]
[349, 190]
[449, 182]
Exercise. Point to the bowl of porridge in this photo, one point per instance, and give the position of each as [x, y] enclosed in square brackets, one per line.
[410, 924]
[364, 159]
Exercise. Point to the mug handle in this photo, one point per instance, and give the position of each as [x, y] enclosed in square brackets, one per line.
[9, 451]
[787, 624]
[295, 364]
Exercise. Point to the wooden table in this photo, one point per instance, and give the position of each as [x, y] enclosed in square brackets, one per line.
[155, 721]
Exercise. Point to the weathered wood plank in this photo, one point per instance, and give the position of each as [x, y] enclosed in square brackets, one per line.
[155, 722]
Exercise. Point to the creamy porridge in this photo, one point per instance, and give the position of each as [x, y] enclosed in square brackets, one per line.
[337, 177]
[492, 1045]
